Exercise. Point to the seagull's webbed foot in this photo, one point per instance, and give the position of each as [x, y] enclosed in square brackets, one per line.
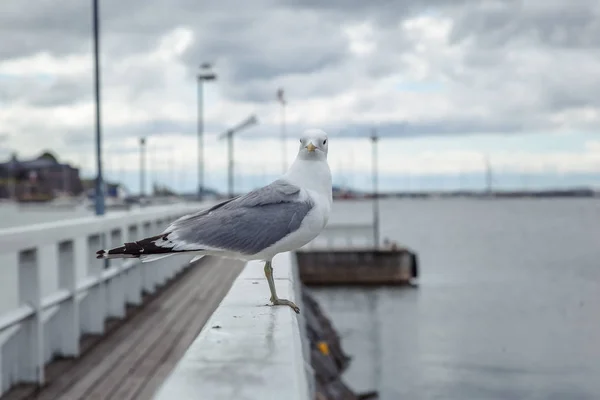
[274, 299]
[284, 302]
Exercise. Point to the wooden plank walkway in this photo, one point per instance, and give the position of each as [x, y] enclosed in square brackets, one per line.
[137, 353]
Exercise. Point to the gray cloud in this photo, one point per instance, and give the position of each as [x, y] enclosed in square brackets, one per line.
[59, 27]
[252, 50]
[554, 23]
[513, 65]
[152, 128]
[64, 90]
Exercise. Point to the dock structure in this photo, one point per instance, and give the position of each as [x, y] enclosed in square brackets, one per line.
[361, 266]
[345, 254]
[74, 327]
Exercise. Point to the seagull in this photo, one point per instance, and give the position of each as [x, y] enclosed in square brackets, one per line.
[280, 217]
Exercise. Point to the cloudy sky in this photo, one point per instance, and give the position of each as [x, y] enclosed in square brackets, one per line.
[444, 84]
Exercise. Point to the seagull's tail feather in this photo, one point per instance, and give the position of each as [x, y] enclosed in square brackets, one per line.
[153, 257]
[145, 249]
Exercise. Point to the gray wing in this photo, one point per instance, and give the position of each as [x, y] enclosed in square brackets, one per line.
[245, 224]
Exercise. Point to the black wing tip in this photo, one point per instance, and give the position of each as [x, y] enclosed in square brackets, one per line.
[137, 248]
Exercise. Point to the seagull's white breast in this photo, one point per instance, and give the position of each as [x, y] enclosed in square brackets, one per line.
[314, 179]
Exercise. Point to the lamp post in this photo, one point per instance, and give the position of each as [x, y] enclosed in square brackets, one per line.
[142, 169]
[252, 120]
[99, 194]
[374, 139]
[281, 99]
[205, 74]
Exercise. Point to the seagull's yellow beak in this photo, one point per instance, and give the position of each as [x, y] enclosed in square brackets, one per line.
[311, 147]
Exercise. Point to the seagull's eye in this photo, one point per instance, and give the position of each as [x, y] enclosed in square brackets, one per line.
[324, 141]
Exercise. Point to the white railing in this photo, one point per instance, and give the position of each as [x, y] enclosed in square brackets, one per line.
[248, 349]
[343, 235]
[53, 289]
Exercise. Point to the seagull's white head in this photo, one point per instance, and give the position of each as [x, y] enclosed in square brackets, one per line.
[314, 145]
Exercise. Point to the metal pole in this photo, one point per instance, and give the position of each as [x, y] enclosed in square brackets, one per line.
[142, 168]
[99, 180]
[205, 74]
[229, 136]
[281, 99]
[374, 139]
[230, 172]
[200, 140]
[283, 152]
[172, 172]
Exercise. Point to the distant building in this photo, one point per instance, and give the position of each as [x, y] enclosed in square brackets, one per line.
[40, 179]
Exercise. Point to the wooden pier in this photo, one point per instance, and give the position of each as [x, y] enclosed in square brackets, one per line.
[135, 355]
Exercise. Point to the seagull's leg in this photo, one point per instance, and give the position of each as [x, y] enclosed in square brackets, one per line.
[274, 299]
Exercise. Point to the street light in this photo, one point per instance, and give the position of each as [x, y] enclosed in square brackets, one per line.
[252, 120]
[205, 74]
[99, 194]
[374, 139]
[142, 169]
[282, 101]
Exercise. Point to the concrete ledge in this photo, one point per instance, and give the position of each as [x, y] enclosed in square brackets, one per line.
[247, 349]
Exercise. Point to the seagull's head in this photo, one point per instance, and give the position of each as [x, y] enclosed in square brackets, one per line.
[314, 145]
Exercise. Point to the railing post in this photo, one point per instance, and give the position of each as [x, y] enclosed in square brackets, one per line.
[2, 379]
[146, 270]
[67, 280]
[32, 367]
[135, 273]
[96, 298]
[48, 267]
[115, 288]
[9, 297]
[159, 271]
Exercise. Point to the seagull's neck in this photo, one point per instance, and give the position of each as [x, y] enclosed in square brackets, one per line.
[312, 175]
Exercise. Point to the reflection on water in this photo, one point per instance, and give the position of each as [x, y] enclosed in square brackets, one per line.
[507, 306]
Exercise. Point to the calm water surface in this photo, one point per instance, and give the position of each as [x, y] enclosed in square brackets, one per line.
[508, 305]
